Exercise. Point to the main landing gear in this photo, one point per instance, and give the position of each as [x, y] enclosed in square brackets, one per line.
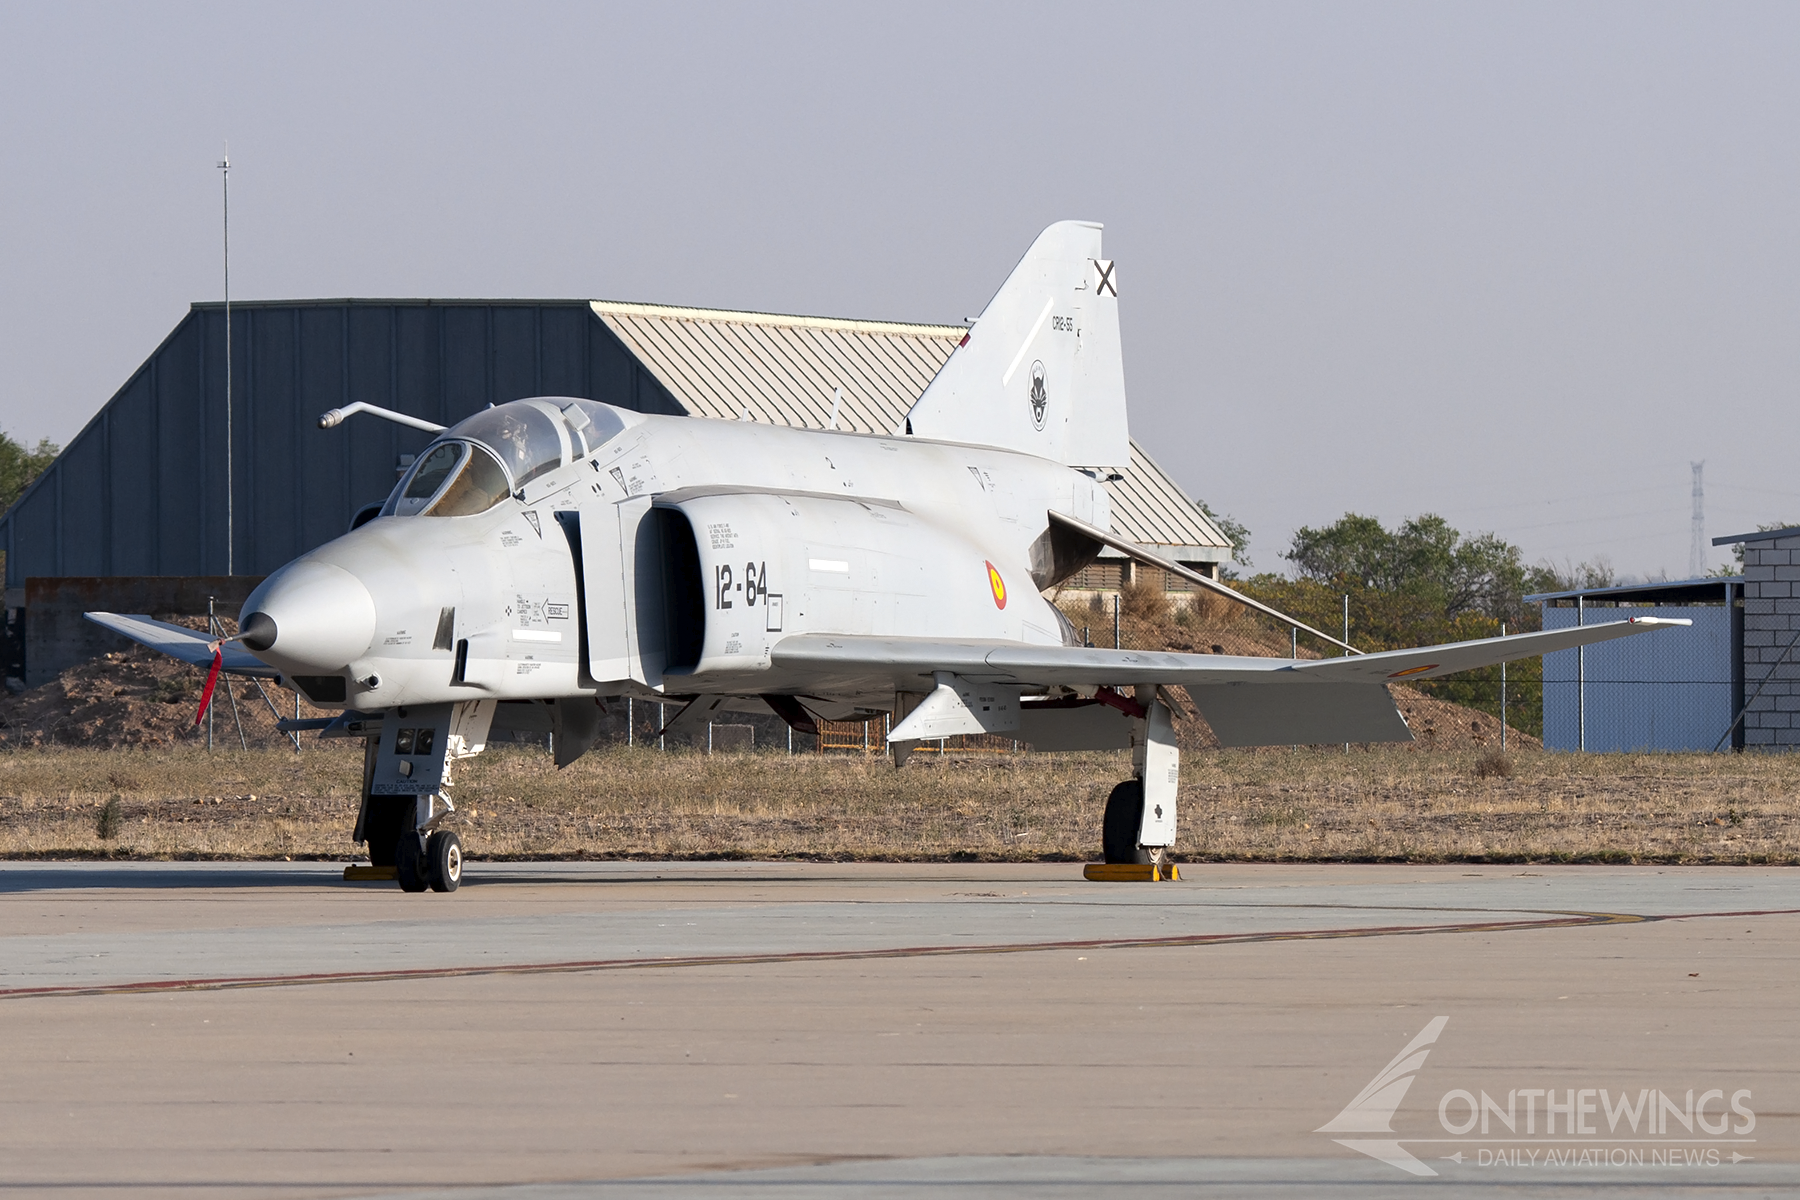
[1138, 828]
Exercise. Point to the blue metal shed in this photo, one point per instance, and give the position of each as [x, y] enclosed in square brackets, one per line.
[1673, 690]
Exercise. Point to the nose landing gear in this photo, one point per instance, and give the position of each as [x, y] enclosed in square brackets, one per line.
[433, 862]
[406, 785]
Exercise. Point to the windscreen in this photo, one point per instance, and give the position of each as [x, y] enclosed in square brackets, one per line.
[425, 480]
[433, 471]
[479, 486]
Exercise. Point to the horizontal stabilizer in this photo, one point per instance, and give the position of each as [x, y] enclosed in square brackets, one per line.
[188, 645]
[1151, 558]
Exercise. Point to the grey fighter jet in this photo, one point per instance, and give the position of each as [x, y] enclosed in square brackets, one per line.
[550, 555]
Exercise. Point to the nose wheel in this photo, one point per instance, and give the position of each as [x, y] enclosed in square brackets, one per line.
[443, 861]
[410, 863]
[433, 862]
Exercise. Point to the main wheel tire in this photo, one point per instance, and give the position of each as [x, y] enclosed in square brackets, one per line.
[443, 861]
[409, 863]
[1119, 828]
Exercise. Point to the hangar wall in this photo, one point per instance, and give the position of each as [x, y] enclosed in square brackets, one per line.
[142, 489]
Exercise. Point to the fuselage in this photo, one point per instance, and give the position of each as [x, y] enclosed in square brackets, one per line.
[662, 556]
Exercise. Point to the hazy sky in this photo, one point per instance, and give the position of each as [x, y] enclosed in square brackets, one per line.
[1516, 264]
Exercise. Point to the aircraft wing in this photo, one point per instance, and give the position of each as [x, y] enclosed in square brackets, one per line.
[1247, 701]
[1429, 662]
[189, 645]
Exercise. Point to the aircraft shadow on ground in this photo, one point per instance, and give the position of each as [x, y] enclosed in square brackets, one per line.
[24, 877]
[50, 877]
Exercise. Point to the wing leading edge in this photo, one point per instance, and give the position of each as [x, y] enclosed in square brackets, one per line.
[1247, 701]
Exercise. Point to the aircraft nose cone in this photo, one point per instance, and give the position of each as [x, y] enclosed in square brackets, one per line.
[310, 615]
[258, 631]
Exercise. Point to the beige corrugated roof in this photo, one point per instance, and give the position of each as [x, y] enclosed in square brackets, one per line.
[784, 369]
[1150, 507]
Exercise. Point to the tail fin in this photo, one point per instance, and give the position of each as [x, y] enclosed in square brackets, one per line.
[1041, 370]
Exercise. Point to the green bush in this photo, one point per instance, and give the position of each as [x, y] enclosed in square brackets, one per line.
[107, 823]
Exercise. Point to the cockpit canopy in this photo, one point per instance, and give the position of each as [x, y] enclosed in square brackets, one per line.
[477, 462]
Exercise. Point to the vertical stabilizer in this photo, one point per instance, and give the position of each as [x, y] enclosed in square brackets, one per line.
[1041, 370]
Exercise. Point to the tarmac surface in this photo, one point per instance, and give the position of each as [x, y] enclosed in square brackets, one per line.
[724, 1030]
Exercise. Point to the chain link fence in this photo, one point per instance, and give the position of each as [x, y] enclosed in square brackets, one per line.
[1672, 689]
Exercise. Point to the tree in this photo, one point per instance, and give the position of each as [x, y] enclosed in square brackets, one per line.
[1571, 576]
[1422, 583]
[1424, 558]
[1235, 532]
[19, 466]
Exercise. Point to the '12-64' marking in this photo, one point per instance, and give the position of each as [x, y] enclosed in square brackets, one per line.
[754, 586]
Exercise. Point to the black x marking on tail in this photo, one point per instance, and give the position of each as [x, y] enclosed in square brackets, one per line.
[1106, 284]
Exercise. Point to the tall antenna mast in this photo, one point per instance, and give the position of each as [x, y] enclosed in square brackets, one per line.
[230, 532]
[1697, 546]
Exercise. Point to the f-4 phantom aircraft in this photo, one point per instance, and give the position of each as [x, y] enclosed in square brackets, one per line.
[549, 556]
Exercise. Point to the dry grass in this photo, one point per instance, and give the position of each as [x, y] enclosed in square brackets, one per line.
[179, 802]
[1384, 804]
[1414, 806]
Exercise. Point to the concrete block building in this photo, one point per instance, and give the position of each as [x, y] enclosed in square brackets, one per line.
[1771, 631]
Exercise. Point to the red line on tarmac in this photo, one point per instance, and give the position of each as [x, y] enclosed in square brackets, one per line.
[1563, 920]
